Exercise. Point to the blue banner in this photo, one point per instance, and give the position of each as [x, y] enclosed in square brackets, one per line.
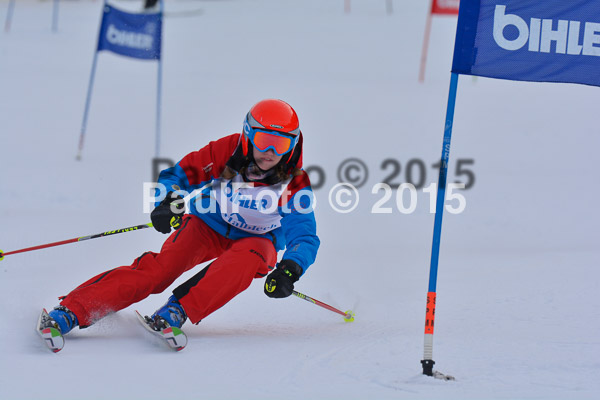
[529, 40]
[131, 35]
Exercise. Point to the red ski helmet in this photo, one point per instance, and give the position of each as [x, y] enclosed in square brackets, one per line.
[271, 124]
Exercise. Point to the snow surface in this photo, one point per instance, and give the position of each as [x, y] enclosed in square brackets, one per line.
[518, 315]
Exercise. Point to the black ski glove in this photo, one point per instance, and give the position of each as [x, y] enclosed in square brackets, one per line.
[280, 283]
[168, 213]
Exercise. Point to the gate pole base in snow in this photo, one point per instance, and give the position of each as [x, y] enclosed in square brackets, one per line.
[427, 367]
[428, 370]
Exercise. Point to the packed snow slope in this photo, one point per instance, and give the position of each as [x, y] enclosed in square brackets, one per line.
[518, 315]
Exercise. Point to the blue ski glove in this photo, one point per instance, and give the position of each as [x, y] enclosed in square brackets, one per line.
[280, 283]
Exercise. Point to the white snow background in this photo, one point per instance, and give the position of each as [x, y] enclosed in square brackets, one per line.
[517, 311]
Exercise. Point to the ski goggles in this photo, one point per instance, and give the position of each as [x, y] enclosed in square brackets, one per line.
[264, 140]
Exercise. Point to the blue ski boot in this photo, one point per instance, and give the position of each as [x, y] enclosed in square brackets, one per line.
[171, 314]
[63, 318]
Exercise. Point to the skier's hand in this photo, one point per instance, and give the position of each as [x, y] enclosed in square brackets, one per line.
[168, 213]
[280, 283]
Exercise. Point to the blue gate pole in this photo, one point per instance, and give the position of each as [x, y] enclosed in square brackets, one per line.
[427, 361]
[159, 85]
[89, 92]
[55, 16]
[87, 106]
[158, 106]
[9, 14]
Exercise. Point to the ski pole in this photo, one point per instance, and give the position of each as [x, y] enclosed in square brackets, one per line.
[348, 315]
[79, 239]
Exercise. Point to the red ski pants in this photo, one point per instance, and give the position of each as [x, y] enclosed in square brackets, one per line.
[237, 263]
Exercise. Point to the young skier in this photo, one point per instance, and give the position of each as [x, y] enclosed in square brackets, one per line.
[254, 200]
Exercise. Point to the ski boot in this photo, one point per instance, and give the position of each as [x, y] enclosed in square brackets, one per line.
[64, 319]
[169, 315]
[166, 324]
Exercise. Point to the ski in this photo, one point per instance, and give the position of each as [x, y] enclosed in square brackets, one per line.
[172, 336]
[50, 335]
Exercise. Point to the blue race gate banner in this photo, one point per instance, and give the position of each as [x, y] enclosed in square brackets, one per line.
[529, 40]
[131, 35]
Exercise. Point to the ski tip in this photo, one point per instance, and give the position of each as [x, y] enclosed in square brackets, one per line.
[51, 336]
[53, 339]
[1, 255]
[349, 316]
[174, 337]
